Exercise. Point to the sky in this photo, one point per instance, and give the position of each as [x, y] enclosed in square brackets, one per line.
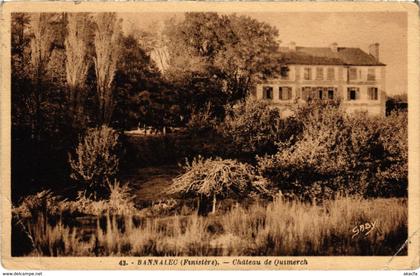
[319, 29]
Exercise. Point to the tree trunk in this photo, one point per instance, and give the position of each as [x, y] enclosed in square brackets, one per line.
[213, 211]
[198, 206]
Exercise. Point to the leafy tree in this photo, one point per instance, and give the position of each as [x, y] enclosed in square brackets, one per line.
[42, 97]
[219, 57]
[255, 127]
[154, 42]
[39, 123]
[142, 97]
[249, 55]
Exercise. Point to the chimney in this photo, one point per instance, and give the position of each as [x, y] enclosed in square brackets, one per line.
[374, 50]
[334, 47]
[292, 46]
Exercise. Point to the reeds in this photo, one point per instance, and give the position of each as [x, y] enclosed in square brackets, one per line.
[279, 228]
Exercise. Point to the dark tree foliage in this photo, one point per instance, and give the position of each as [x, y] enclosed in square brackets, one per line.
[40, 132]
[218, 58]
[255, 128]
[142, 97]
[20, 73]
[396, 103]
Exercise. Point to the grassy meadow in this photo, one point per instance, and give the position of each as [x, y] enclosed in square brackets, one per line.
[278, 228]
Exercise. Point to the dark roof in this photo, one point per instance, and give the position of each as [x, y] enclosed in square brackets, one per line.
[326, 56]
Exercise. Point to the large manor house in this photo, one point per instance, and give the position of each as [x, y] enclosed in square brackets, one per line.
[350, 75]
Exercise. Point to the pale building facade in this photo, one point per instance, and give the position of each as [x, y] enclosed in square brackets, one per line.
[355, 78]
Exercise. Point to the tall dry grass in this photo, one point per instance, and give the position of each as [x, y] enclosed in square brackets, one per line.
[279, 228]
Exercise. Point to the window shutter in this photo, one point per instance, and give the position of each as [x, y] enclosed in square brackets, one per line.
[289, 93]
[373, 93]
[348, 94]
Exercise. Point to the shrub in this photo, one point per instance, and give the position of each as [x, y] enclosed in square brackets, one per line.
[298, 168]
[47, 204]
[164, 207]
[96, 161]
[44, 202]
[85, 205]
[393, 172]
[202, 120]
[121, 199]
[336, 154]
[217, 179]
[255, 126]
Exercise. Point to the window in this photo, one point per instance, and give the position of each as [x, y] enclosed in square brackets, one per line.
[319, 73]
[307, 73]
[285, 93]
[330, 94]
[373, 93]
[371, 74]
[352, 74]
[330, 74]
[284, 72]
[267, 93]
[320, 94]
[353, 93]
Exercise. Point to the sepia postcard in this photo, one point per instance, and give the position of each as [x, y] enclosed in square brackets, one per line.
[210, 136]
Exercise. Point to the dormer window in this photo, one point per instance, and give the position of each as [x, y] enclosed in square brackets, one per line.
[352, 74]
[319, 73]
[284, 72]
[371, 74]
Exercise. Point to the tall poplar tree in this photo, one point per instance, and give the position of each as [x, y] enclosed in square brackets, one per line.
[107, 48]
[77, 65]
[41, 50]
